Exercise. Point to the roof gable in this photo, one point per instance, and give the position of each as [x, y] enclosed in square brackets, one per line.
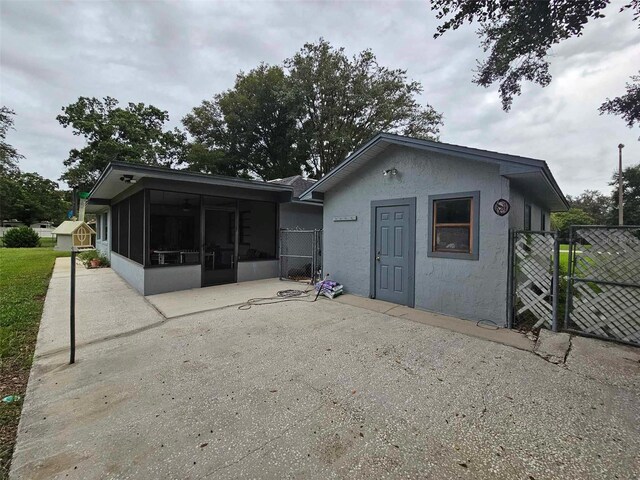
[526, 169]
[69, 226]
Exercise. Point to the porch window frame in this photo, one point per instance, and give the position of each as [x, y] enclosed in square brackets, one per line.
[474, 226]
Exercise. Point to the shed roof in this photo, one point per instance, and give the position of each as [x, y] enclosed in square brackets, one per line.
[69, 226]
[528, 174]
[112, 180]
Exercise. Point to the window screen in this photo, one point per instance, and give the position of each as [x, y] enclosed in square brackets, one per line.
[115, 213]
[123, 228]
[136, 227]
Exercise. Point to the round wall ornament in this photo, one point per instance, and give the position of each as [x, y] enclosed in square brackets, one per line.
[501, 207]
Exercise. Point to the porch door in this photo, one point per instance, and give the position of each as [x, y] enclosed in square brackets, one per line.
[393, 244]
[219, 250]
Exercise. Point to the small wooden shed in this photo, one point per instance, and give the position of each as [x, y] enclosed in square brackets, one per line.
[74, 233]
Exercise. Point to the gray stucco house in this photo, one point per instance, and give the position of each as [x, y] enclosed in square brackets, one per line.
[166, 230]
[413, 222]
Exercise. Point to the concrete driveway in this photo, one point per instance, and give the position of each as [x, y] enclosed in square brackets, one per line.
[311, 390]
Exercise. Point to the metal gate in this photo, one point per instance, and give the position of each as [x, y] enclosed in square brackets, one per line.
[590, 286]
[300, 254]
[533, 292]
[603, 287]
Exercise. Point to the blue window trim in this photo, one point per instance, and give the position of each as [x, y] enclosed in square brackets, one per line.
[475, 232]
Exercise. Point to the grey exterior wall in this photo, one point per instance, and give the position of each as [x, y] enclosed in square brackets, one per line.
[149, 281]
[472, 289]
[518, 199]
[63, 243]
[257, 270]
[170, 279]
[300, 216]
[131, 272]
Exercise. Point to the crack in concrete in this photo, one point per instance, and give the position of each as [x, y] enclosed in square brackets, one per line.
[566, 354]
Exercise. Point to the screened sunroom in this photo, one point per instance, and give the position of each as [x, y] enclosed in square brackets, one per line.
[168, 230]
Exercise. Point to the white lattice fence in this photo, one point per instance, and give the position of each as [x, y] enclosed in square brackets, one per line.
[604, 289]
[533, 279]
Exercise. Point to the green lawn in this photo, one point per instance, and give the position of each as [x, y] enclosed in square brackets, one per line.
[24, 278]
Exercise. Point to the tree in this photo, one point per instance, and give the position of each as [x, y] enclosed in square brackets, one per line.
[627, 106]
[574, 216]
[133, 134]
[630, 196]
[215, 161]
[345, 101]
[594, 203]
[9, 156]
[519, 36]
[254, 124]
[306, 115]
[34, 198]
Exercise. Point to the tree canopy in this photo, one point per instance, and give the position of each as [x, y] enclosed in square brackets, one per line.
[346, 100]
[518, 36]
[27, 197]
[35, 198]
[134, 133]
[593, 203]
[9, 156]
[249, 128]
[627, 106]
[630, 196]
[307, 114]
[561, 221]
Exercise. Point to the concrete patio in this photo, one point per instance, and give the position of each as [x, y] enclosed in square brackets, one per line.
[311, 390]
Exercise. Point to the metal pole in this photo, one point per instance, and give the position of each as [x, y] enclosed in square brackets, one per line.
[556, 280]
[510, 274]
[72, 312]
[313, 257]
[620, 205]
[568, 299]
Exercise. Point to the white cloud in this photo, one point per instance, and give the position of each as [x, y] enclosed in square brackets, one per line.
[175, 54]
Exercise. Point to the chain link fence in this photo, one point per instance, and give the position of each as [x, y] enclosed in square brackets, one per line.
[300, 255]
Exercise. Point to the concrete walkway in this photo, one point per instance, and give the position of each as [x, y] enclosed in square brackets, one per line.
[311, 390]
[197, 300]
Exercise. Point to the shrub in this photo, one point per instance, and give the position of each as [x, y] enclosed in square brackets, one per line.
[88, 255]
[21, 237]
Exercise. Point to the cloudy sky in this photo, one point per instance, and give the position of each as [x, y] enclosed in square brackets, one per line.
[174, 54]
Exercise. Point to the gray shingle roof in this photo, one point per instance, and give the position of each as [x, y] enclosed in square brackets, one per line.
[298, 182]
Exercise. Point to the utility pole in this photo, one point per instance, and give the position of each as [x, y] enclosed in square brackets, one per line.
[620, 213]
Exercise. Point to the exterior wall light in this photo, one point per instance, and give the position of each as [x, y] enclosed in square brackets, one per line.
[390, 171]
[127, 179]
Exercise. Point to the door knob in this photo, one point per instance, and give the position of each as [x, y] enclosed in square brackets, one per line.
[378, 258]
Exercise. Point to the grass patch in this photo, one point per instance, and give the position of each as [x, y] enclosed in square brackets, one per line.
[24, 278]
